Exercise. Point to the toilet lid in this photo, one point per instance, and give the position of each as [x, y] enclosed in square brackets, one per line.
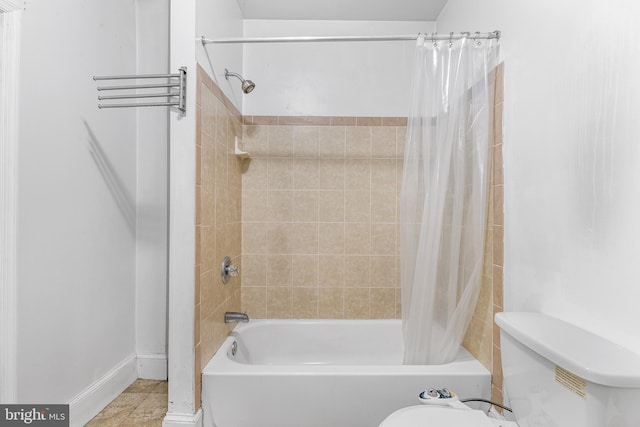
[422, 415]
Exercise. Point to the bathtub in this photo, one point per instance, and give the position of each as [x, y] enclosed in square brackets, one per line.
[323, 373]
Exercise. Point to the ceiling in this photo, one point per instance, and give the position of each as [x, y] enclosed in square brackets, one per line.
[339, 10]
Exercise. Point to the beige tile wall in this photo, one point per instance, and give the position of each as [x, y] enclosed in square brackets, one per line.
[218, 219]
[320, 223]
[316, 210]
[483, 336]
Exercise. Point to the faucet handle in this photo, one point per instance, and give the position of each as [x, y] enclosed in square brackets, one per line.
[228, 270]
[232, 270]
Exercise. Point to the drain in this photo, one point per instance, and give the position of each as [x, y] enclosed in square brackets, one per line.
[234, 348]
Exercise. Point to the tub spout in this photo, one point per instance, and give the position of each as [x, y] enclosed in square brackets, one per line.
[234, 317]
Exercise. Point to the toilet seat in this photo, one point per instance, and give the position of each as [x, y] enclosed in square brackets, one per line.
[422, 415]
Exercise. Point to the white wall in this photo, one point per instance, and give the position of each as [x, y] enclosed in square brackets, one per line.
[152, 25]
[329, 79]
[77, 190]
[221, 19]
[571, 156]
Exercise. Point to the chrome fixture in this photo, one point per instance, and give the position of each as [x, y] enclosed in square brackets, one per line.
[173, 90]
[247, 85]
[228, 270]
[235, 317]
[433, 37]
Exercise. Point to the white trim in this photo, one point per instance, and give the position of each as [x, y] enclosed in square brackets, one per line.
[152, 366]
[9, 84]
[88, 403]
[182, 148]
[183, 420]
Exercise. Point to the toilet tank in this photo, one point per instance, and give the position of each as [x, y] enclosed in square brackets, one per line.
[558, 375]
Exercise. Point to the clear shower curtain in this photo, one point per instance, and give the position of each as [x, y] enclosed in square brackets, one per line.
[443, 198]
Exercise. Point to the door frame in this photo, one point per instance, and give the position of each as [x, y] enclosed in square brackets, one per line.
[10, 26]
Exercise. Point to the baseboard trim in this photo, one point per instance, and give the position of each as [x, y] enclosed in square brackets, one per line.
[183, 420]
[152, 366]
[88, 403]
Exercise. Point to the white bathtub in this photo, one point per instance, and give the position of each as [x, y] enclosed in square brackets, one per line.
[323, 373]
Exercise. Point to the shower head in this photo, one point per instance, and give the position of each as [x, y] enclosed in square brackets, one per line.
[247, 85]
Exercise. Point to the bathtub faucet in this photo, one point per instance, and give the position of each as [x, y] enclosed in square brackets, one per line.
[234, 316]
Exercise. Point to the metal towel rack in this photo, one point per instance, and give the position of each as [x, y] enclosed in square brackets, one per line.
[175, 98]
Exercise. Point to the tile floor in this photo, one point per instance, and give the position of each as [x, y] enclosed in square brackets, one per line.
[142, 404]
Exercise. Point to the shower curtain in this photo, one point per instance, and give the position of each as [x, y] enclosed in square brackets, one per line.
[443, 198]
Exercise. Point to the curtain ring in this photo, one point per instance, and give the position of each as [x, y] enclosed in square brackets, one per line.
[450, 39]
[476, 38]
[433, 39]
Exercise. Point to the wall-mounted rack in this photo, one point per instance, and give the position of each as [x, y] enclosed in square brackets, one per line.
[175, 85]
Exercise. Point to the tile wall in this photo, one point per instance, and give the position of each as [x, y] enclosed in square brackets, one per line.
[217, 222]
[312, 218]
[483, 336]
[320, 217]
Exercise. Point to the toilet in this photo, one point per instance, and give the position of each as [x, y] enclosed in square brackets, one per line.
[555, 374]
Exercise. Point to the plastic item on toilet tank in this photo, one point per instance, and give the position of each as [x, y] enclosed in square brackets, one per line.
[441, 397]
[557, 374]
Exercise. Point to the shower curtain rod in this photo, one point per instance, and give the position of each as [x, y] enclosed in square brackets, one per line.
[433, 36]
